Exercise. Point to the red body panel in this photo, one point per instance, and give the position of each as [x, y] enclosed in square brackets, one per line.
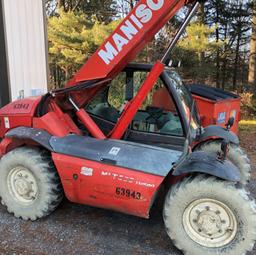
[18, 113]
[162, 99]
[134, 32]
[56, 122]
[25, 107]
[218, 113]
[92, 183]
[52, 124]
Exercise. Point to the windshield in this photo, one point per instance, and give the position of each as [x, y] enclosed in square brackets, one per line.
[186, 98]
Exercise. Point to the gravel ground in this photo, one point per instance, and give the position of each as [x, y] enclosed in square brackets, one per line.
[77, 229]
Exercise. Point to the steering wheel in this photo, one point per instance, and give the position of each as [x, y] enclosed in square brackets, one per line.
[156, 116]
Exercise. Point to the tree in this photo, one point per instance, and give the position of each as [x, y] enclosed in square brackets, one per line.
[240, 27]
[252, 57]
[231, 19]
[104, 10]
[198, 43]
[72, 39]
[125, 6]
[202, 23]
[214, 51]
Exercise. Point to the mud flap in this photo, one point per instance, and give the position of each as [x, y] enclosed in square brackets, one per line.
[208, 163]
[25, 133]
[219, 132]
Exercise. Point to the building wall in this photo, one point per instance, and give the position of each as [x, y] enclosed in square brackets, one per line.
[26, 47]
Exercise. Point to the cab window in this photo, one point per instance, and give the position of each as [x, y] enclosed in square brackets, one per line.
[158, 113]
[107, 103]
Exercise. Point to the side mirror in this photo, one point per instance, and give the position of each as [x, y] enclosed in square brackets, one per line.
[230, 123]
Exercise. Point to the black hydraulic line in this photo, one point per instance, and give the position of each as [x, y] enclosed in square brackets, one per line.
[166, 58]
[82, 85]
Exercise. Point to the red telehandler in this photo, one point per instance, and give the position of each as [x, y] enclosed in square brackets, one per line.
[106, 140]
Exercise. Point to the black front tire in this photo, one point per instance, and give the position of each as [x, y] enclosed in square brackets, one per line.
[208, 216]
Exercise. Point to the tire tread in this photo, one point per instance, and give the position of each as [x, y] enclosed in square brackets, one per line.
[55, 191]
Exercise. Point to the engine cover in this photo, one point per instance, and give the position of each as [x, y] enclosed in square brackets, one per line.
[18, 113]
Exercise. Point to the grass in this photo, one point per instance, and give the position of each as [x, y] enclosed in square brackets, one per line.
[248, 122]
[247, 125]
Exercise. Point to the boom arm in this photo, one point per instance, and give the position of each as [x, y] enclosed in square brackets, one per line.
[134, 32]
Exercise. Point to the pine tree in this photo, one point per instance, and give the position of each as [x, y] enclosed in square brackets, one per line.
[103, 10]
[72, 39]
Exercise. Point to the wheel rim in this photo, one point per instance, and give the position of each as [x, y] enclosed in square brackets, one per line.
[210, 223]
[22, 185]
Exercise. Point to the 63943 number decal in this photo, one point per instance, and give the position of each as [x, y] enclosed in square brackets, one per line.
[128, 193]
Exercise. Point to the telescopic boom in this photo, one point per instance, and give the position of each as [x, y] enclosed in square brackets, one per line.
[133, 33]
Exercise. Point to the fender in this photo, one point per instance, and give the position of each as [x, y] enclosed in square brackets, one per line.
[202, 162]
[198, 161]
[218, 132]
[153, 160]
[39, 136]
